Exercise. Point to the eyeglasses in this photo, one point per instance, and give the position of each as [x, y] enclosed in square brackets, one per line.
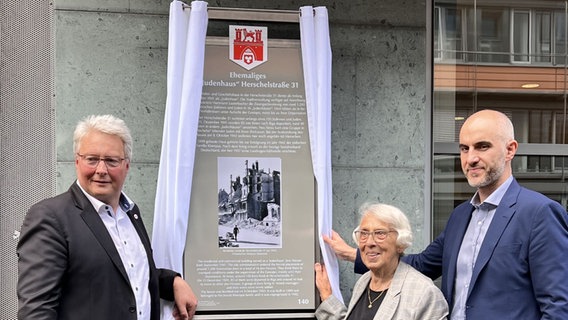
[93, 161]
[378, 235]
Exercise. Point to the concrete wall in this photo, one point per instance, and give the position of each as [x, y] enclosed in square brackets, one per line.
[111, 58]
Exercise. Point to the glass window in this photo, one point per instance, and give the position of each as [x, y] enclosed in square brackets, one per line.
[542, 37]
[559, 38]
[493, 39]
[521, 36]
[453, 28]
[437, 34]
[448, 33]
[514, 62]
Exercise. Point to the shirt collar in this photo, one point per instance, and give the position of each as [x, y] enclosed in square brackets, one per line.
[125, 203]
[494, 198]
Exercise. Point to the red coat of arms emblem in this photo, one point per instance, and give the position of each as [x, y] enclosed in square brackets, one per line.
[248, 45]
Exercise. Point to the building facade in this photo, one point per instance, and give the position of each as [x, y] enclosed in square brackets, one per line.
[509, 56]
[405, 75]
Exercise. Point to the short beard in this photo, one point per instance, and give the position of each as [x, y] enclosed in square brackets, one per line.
[491, 178]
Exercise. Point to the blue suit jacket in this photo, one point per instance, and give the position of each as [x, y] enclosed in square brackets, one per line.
[522, 268]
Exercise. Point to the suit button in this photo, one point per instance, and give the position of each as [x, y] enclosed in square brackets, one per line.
[132, 309]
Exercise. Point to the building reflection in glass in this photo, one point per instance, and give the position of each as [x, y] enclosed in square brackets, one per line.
[508, 56]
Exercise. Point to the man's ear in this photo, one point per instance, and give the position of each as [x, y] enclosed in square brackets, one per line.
[511, 147]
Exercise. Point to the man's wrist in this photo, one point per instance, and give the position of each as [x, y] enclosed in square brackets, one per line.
[352, 255]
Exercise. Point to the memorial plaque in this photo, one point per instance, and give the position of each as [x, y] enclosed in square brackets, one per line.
[251, 242]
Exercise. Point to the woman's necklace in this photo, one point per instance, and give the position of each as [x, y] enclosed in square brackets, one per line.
[369, 296]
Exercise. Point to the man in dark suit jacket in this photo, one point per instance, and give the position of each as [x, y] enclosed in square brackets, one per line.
[501, 255]
[85, 254]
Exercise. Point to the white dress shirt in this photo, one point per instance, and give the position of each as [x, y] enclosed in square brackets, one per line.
[130, 249]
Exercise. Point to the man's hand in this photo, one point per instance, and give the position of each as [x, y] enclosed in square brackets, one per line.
[342, 250]
[185, 300]
[322, 281]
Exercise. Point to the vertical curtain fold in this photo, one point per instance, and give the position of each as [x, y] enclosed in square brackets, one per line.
[316, 59]
[186, 56]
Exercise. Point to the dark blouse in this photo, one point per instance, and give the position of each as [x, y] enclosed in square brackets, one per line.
[364, 310]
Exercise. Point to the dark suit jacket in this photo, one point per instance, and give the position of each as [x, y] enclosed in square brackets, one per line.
[69, 268]
[521, 271]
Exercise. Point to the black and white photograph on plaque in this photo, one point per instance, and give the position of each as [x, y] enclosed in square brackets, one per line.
[249, 210]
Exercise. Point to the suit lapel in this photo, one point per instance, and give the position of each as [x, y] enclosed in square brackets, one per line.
[94, 222]
[455, 237]
[392, 299]
[503, 215]
[136, 220]
[358, 291]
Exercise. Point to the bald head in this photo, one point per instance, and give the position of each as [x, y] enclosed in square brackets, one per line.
[493, 121]
[487, 146]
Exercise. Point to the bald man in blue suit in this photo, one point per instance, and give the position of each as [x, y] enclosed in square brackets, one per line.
[502, 254]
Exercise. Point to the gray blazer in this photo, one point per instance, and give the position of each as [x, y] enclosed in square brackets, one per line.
[411, 296]
[69, 268]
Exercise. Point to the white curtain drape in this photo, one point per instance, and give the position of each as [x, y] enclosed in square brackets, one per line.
[316, 57]
[186, 50]
[186, 54]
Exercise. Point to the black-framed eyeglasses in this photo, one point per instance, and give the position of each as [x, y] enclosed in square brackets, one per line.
[93, 161]
[378, 235]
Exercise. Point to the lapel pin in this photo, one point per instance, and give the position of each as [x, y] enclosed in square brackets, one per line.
[135, 216]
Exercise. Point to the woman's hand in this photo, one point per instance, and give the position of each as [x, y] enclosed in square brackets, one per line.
[322, 281]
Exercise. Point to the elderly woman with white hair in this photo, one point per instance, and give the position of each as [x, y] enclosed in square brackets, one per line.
[391, 289]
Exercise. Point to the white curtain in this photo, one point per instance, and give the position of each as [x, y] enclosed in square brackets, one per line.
[186, 49]
[186, 52]
[316, 57]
